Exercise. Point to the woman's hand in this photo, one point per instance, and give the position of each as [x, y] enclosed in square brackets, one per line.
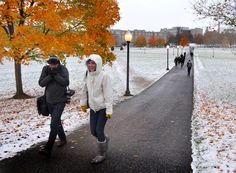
[84, 108]
[109, 116]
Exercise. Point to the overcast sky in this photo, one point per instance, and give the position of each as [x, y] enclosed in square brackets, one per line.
[152, 15]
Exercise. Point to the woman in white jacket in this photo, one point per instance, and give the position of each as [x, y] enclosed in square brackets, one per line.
[97, 92]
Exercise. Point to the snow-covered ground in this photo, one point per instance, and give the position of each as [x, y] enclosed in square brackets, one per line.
[214, 114]
[21, 126]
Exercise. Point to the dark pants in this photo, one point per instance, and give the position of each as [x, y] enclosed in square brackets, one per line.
[189, 69]
[56, 127]
[97, 124]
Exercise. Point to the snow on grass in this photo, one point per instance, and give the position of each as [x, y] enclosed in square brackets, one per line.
[21, 126]
[214, 114]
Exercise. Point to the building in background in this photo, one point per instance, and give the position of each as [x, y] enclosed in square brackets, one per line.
[163, 33]
[197, 31]
[119, 35]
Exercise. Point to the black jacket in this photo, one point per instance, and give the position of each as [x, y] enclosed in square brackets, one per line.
[55, 85]
[189, 64]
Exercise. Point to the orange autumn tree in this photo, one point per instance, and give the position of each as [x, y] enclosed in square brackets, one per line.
[152, 42]
[140, 41]
[113, 41]
[161, 42]
[33, 29]
[184, 41]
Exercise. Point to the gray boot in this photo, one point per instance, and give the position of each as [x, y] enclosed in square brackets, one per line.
[101, 156]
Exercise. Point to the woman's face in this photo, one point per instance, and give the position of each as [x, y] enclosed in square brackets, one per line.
[53, 65]
[92, 66]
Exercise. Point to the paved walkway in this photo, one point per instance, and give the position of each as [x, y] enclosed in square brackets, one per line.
[149, 133]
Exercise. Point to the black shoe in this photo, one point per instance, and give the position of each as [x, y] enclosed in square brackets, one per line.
[61, 143]
[43, 151]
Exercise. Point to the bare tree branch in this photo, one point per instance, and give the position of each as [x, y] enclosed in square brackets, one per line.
[219, 11]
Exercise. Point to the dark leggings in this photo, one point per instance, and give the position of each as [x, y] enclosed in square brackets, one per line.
[97, 124]
[56, 126]
[189, 69]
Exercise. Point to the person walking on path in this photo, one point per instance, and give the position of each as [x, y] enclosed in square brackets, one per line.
[176, 61]
[191, 55]
[182, 59]
[189, 66]
[55, 78]
[97, 92]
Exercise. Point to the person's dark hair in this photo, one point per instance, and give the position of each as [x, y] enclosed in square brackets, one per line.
[53, 59]
[88, 61]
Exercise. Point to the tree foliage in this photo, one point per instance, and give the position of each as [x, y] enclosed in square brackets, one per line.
[225, 39]
[212, 38]
[161, 42]
[33, 29]
[225, 42]
[172, 38]
[140, 41]
[231, 36]
[198, 39]
[220, 11]
[177, 38]
[184, 41]
[152, 42]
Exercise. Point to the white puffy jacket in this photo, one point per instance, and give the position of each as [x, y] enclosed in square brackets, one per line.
[98, 85]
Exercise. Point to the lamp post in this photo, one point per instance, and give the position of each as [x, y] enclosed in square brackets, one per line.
[128, 38]
[213, 55]
[177, 51]
[167, 48]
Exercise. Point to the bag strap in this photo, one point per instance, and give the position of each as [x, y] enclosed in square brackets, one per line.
[44, 95]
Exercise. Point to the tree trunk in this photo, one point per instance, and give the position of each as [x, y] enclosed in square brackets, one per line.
[19, 89]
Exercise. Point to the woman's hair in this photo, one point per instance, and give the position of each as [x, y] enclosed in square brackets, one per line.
[88, 61]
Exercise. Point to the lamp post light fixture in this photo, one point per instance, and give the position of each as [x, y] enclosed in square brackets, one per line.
[128, 38]
[167, 48]
[213, 54]
[177, 51]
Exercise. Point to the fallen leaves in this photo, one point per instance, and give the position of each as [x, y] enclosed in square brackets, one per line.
[214, 132]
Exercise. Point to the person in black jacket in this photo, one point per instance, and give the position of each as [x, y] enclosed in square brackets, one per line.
[189, 66]
[176, 61]
[55, 78]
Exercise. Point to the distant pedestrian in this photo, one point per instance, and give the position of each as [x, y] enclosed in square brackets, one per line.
[184, 54]
[97, 92]
[191, 54]
[189, 66]
[55, 78]
[176, 62]
[182, 59]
